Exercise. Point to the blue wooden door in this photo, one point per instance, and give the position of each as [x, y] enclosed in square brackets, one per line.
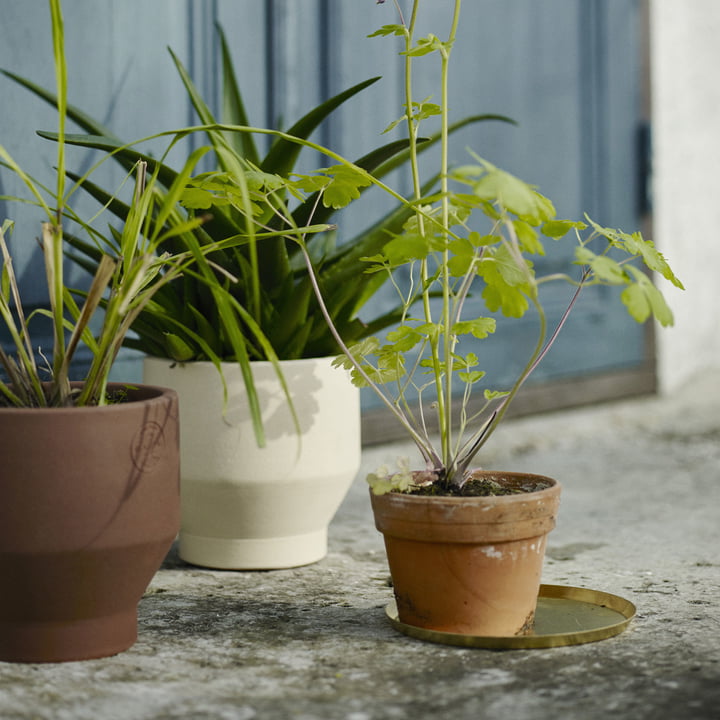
[568, 71]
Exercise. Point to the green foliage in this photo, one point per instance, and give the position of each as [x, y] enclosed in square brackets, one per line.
[439, 255]
[447, 261]
[251, 297]
[268, 279]
[342, 186]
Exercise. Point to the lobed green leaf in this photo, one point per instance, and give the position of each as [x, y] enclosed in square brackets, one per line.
[344, 186]
[559, 228]
[386, 30]
[643, 299]
[478, 327]
[603, 267]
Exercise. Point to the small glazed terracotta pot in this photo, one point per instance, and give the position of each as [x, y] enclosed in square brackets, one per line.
[89, 507]
[468, 565]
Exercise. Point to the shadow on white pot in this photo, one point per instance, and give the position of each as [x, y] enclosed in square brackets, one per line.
[245, 507]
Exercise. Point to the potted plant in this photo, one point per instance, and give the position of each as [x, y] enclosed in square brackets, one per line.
[465, 546]
[89, 500]
[278, 427]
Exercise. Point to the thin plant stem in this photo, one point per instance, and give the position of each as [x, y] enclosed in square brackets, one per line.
[426, 451]
[445, 206]
[413, 127]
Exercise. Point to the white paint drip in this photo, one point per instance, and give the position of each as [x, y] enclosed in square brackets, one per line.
[491, 552]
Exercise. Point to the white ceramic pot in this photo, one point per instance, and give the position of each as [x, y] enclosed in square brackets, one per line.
[245, 507]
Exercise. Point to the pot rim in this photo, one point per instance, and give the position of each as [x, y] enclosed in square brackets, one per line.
[324, 359]
[156, 394]
[468, 519]
[555, 487]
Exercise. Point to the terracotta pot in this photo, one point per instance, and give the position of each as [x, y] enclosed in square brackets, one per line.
[89, 506]
[468, 565]
[251, 508]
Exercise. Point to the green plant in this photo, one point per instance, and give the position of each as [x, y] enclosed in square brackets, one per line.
[267, 278]
[446, 258]
[123, 284]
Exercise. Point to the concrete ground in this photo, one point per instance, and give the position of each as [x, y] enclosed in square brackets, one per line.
[640, 517]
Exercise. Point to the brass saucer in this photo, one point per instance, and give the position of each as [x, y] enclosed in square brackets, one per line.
[564, 616]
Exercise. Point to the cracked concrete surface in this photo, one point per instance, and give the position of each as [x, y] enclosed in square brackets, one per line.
[640, 517]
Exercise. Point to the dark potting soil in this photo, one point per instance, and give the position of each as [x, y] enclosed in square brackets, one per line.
[483, 487]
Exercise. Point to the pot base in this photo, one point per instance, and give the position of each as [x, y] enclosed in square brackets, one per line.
[274, 553]
[564, 616]
[67, 640]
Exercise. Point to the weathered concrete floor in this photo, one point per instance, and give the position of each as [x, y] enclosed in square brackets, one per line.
[640, 517]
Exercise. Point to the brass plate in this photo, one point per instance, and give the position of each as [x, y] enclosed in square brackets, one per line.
[564, 616]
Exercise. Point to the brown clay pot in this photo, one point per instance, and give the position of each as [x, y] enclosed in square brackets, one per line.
[89, 506]
[468, 565]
